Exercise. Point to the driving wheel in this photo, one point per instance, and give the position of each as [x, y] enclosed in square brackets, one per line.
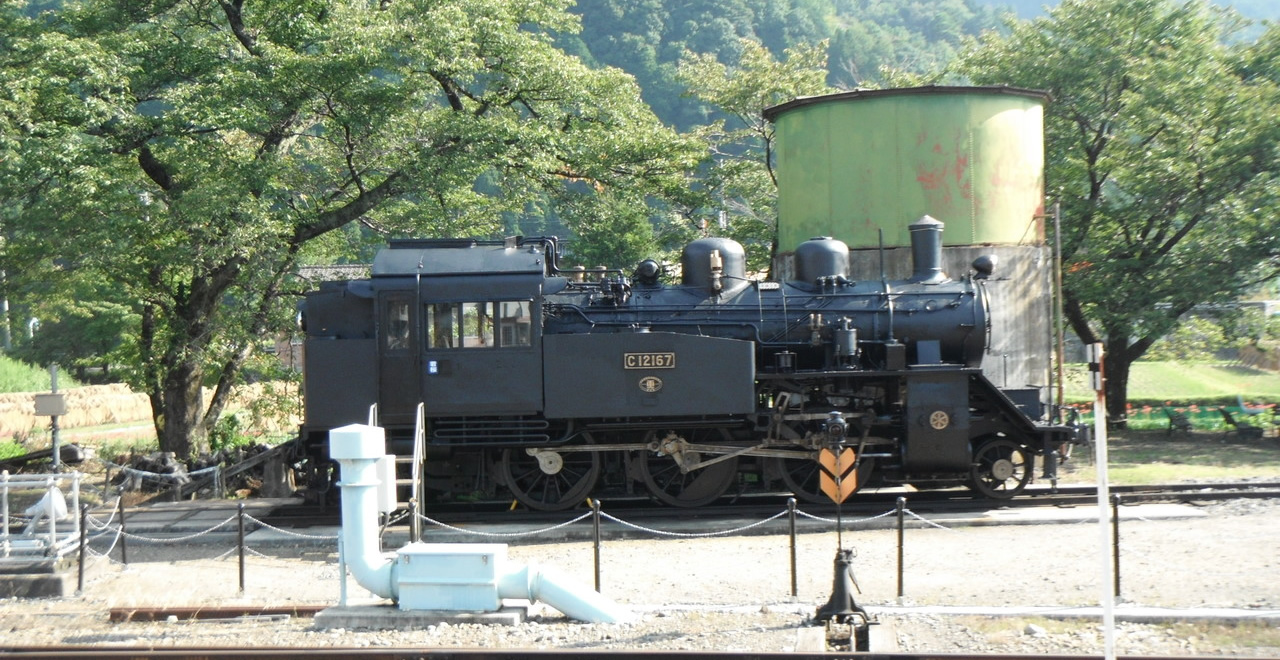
[670, 484]
[548, 479]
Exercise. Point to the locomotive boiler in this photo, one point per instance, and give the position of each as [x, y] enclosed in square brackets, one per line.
[518, 378]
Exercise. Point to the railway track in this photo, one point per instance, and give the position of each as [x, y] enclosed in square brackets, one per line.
[328, 653]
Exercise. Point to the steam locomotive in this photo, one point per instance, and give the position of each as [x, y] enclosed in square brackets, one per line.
[517, 378]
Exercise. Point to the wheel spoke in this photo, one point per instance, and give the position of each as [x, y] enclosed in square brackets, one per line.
[669, 485]
[564, 488]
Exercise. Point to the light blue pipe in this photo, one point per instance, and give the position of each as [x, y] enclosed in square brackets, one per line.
[357, 448]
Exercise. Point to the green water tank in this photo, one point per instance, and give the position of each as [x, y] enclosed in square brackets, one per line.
[852, 164]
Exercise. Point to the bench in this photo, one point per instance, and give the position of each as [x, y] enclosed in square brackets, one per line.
[1243, 429]
[1177, 422]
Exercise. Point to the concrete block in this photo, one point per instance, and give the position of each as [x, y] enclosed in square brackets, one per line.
[389, 617]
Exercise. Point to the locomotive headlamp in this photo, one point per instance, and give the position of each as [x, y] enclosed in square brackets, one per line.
[647, 273]
[984, 265]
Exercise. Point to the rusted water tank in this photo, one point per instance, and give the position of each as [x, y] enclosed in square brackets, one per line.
[863, 166]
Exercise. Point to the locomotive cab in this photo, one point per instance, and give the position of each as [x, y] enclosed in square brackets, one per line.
[457, 329]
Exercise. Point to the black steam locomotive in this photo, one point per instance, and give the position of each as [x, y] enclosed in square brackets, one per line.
[517, 376]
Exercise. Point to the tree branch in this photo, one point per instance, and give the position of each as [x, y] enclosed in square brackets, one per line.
[235, 19]
[154, 169]
[363, 203]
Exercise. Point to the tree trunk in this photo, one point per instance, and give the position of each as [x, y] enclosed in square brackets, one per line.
[182, 403]
[177, 358]
[1116, 363]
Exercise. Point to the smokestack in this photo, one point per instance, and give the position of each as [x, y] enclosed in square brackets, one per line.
[926, 251]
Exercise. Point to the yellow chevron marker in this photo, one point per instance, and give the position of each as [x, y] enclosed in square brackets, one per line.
[837, 477]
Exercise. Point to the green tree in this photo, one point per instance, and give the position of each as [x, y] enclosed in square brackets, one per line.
[647, 38]
[739, 180]
[187, 152]
[1161, 147]
[84, 331]
[1195, 339]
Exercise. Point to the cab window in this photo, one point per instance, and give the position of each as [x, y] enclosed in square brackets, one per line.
[478, 324]
[440, 325]
[514, 323]
[396, 324]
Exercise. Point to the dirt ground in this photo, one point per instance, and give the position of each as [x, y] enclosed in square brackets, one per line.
[733, 593]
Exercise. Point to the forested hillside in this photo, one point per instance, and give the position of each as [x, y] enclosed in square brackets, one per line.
[866, 37]
[1254, 9]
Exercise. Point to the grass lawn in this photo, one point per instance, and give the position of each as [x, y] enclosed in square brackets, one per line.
[1154, 457]
[1154, 383]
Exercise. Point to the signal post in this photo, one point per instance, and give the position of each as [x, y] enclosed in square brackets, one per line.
[838, 479]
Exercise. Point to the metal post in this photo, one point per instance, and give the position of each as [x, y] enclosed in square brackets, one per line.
[50, 486]
[1060, 343]
[1097, 378]
[595, 524]
[902, 504]
[124, 535]
[84, 539]
[415, 522]
[1115, 541]
[342, 575]
[4, 512]
[53, 421]
[75, 495]
[791, 520]
[240, 521]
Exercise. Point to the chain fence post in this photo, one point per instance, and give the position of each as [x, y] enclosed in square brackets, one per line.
[901, 510]
[791, 521]
[124, 535]
[240, 525]
[84, 540]
[595, 524]
[1115, 541]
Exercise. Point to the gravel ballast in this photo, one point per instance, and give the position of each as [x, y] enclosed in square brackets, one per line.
[733, 593]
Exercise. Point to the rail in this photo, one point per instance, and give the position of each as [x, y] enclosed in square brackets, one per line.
[365, 653]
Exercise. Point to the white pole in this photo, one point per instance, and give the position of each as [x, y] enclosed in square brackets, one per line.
[1104, 497]
[53, 421]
